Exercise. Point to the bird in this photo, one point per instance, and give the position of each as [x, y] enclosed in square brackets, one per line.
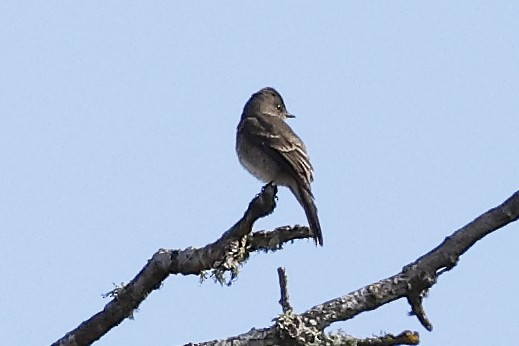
[270, 150]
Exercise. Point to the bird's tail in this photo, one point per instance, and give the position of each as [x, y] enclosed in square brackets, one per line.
[306, 199]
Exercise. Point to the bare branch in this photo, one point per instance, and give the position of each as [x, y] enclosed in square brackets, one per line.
[225, 254]
[419, 275]
[413, 281]
[233, 248]
[404, 338]
[415, 300]
[283, 301]
[274, 240]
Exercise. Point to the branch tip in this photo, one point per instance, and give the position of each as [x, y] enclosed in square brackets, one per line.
[283, 301]
[415, 300]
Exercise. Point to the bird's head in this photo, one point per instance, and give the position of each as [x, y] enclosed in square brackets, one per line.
[269, 102]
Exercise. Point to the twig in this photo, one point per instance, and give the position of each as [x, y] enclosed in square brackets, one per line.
[285, 304]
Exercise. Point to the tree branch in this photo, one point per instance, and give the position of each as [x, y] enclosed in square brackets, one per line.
[225, 254]
[283, 286]
[412, 283]
[233, 248]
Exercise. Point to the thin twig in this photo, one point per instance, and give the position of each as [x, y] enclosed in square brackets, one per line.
[285, 304]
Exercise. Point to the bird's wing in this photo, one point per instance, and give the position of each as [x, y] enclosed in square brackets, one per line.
[274, 135]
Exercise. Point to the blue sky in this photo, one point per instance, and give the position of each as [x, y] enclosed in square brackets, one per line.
[117, 125]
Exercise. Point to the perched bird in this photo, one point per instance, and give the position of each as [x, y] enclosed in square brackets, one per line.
[269, 149]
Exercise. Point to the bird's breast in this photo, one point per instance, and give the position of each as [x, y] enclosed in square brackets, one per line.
[256, 161]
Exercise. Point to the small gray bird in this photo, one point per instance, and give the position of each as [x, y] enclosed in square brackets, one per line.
[269, 149]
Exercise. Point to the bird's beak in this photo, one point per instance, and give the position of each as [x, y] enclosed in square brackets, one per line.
[288, 115]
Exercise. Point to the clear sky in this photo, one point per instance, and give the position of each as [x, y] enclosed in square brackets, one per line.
[117, 129]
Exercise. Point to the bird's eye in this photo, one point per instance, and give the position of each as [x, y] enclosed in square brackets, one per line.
[279, 107]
